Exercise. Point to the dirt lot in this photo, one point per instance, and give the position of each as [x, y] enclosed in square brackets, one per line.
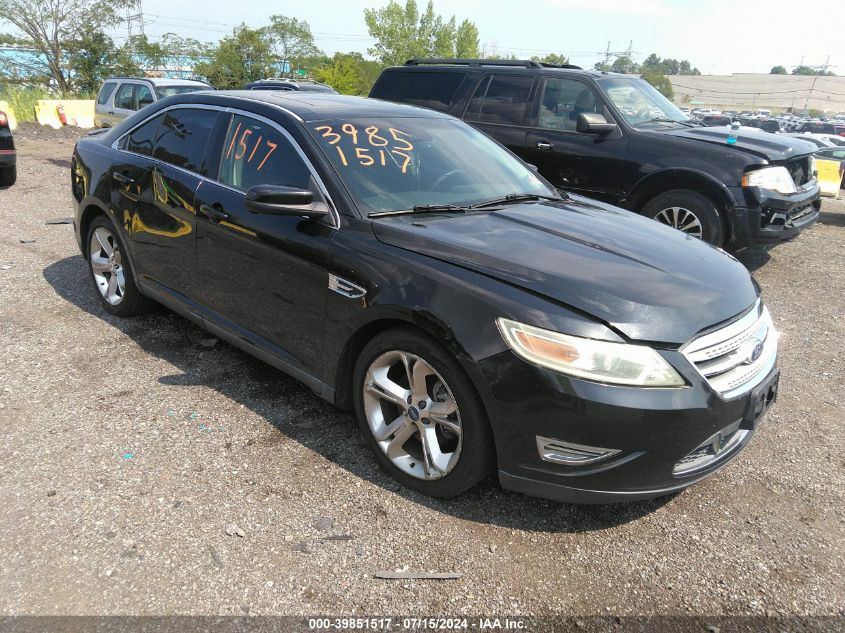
[128, 448]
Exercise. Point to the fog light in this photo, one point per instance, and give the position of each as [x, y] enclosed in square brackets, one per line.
[559, 452]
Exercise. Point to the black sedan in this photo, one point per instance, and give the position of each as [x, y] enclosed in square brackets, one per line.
[8, 156]
[401, 263]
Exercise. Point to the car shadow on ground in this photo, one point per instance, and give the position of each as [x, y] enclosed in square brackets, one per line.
[831, 218]
[295, 411]
[754, 257]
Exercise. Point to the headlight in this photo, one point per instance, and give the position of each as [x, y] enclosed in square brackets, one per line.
[601, 361]
[774, 178]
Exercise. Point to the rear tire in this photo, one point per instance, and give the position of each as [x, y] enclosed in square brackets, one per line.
[8, 176]
[111, 272]
[439, 443]
[688, 211]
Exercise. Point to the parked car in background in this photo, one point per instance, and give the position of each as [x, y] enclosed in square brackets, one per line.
[815, 139]
[821, 127]
[290, 84]
[403, 264]
[119, 97]
[615, 138]
[8, 155]
[835, 139]
[713, 120]
[836, 154]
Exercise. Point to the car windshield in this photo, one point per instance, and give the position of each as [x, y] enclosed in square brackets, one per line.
[169, 91]
[639, 102]
[393, 164]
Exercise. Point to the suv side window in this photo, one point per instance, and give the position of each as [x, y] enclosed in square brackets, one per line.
[562, 101]
[123, 99]
[105, 92]
[433, 90]
[142, 139]
[255, 153]
[474, 107]
[144, 95]
[182, 137]
[506, 100]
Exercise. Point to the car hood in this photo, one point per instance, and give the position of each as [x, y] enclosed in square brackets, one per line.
[647, 281]
[774, 147]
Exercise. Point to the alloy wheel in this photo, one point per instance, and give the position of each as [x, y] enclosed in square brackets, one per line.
[412, 415]
[107, 265]
[682, 219]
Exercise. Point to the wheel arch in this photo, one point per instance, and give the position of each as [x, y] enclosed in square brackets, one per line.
[654, 184]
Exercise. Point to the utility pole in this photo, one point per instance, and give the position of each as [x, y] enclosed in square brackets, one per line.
[135, 16]
[607, 56]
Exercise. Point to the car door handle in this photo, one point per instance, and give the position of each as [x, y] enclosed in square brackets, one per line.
[111, 111]
[123, 179]
[545, 145]
[214, 212]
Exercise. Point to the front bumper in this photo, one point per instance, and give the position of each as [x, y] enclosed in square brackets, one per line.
[656, 433]
[767, 216]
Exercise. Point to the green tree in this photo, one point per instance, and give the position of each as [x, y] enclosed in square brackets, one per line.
[51, 27]
[467, 44]
[777, 70]
[624, 64]
[552, 58]
[661, 82]
[349, 73]
[291, 40]
[244, 56]
[403, 33]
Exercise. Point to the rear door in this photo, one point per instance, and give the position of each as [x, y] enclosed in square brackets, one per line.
[104, 108]
[499, 108]
[157, 189]
[264, 276]
[130, 97]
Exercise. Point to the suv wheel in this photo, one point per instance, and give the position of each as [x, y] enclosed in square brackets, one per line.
[420, 414]
[111, 272]
[8, 176]
[688, 211]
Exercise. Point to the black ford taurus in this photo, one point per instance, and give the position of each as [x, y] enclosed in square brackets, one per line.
[401, 263]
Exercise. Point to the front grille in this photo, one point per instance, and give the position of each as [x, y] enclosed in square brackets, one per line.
[715, 449]
[799, 169]
[735, 358]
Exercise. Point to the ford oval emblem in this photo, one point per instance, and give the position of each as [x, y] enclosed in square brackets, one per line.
[756, 352]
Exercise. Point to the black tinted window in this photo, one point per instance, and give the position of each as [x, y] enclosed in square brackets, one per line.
[474, 106]
[255, 153]
[427, 89]
[506, 100]
[145, 96]
[105, 92]
[182, 137]
[142, 139]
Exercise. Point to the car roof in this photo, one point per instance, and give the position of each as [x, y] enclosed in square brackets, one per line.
[506, 66]
[315, 106]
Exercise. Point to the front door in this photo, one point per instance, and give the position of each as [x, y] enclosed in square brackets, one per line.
[264, 276]
[585, 163]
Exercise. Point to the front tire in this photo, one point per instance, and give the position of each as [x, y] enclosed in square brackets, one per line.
[8, 176]
[688, 211]
[421, 415]
[111, 272]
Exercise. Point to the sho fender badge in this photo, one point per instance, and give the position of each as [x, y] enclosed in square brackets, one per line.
[346, 288]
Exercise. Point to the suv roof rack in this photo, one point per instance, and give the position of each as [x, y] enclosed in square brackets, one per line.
[454, 61]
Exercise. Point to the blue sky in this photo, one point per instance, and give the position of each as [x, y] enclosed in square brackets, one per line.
[718, 36]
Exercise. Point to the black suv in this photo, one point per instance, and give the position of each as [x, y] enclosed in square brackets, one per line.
[615, 138]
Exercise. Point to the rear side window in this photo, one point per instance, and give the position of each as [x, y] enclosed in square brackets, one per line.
[145, 96]
[182, 137]
[474, 107]
[142, 138]
[433, 90]
[506, 100]
[255, 153]
[105, 92]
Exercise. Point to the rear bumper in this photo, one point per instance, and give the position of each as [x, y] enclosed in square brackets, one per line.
[8, 158]
[767, 216]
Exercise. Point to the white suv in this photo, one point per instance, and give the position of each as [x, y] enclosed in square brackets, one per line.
[121, 96]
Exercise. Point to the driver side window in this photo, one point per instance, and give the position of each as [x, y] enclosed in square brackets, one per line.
[255, 153]
[562, 101]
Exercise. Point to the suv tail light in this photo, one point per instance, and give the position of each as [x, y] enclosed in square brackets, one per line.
[4, 120]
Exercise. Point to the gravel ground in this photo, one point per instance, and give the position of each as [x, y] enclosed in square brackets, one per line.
[143, 473]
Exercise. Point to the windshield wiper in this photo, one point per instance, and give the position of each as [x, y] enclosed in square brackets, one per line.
[514, 197]
[667, 120]
[421, 208]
